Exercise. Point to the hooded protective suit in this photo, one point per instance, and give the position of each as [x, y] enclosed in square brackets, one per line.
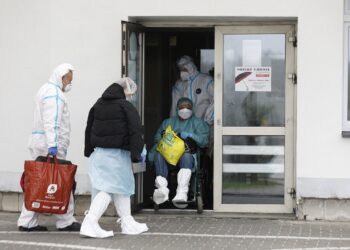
[51, 125]
[196, 86]
[51, 128]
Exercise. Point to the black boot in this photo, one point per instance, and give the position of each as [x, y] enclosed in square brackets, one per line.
[32, 229]
[74, 227]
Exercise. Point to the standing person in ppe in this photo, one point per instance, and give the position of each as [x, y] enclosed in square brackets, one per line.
[196, 86]
[191, 129]
[113, 139]
[50, 135]
[199, 88]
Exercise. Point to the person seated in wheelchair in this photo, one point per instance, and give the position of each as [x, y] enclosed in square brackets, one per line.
[195, 133]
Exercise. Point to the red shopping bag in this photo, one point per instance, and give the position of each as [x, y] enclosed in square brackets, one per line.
[48, 185]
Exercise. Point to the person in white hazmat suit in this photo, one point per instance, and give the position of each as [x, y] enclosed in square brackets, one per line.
[50, 135]
[199, 88]
[113, 139]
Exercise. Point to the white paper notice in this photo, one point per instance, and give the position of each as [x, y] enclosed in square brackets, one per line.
[253, 79]
[251, 53]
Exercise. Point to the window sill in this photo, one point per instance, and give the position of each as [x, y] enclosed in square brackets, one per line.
[345, 134]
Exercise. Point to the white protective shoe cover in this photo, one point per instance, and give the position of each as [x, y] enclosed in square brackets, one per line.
[128, 224]
[131, 227]
[183, 182]
[90, 226]
[161, 193]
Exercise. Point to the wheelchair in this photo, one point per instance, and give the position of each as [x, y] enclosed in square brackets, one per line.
[195, 197]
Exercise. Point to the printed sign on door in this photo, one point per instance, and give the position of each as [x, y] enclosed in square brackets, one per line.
[253, 79]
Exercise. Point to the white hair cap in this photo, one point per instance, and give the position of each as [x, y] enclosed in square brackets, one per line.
[128, 85]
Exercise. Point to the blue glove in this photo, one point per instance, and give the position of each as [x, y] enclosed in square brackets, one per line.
[184, 135]
[143, 155]
[143, 158]
[53, 151]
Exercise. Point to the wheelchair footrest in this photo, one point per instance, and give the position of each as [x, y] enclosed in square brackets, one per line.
[186, 202]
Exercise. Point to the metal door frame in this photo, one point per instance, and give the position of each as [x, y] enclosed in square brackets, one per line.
[287, 131]
[138, 168]
[126, 27]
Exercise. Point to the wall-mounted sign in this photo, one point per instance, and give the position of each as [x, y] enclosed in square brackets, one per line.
[253, 79]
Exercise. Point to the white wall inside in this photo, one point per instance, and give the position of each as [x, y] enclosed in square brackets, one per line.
[37, 35]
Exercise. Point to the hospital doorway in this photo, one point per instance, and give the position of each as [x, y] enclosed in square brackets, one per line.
[163, 47]
[255, 90]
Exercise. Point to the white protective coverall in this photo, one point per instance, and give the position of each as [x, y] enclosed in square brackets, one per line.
[198, 87]
[51, 128]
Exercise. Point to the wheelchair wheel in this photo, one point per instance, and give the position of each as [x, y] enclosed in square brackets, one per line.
[199, 202]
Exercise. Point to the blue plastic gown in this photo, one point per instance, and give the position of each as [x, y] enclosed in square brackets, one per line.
[110, 170]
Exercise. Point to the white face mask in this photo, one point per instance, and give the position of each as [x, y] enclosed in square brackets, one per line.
[185, 113]
[184, 75]
[67, 88]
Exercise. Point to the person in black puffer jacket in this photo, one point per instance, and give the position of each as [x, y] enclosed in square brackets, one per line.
[113, 138]
[113, 122]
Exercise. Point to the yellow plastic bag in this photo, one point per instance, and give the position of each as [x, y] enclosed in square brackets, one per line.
[171, 147]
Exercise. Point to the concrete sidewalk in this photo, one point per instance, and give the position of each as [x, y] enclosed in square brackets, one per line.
[173, 230]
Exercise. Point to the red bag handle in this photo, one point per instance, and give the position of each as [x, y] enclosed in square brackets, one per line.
[54, 159]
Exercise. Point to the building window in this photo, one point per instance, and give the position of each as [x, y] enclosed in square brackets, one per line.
[346, 88]
[347, 7]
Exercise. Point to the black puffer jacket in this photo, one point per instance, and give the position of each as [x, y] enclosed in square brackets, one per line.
[113, 122]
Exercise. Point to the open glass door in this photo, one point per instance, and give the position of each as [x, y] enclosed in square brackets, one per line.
[133, 37]
[253, 158]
